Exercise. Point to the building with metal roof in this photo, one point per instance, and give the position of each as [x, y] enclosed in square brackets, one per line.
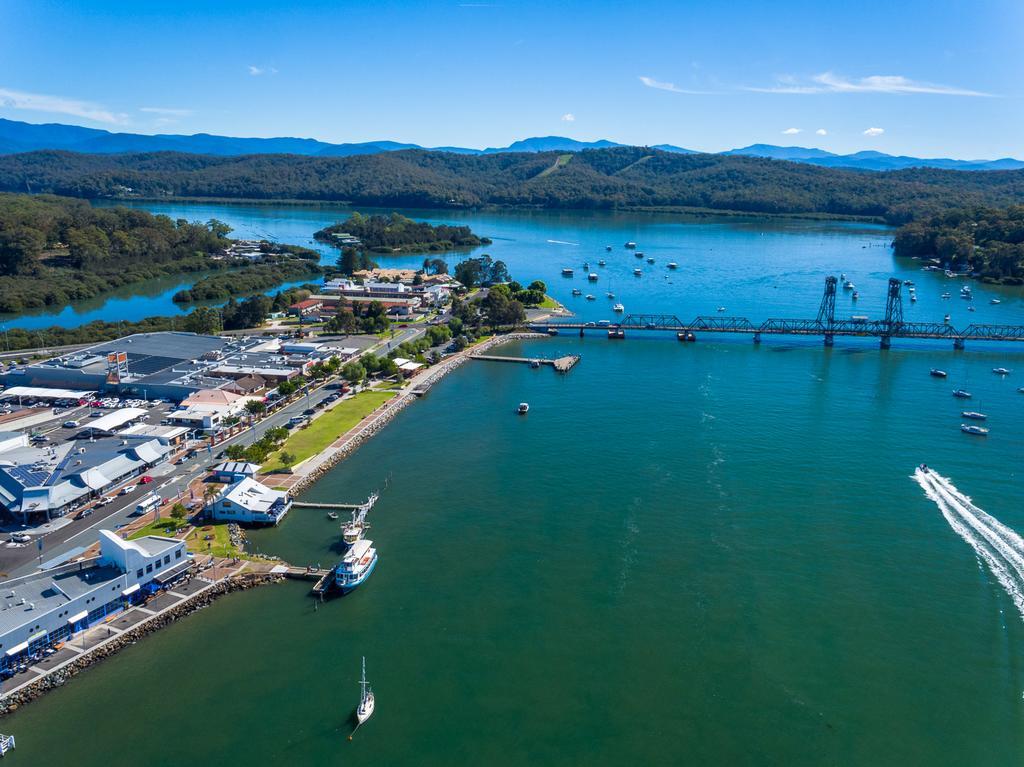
[46, 482]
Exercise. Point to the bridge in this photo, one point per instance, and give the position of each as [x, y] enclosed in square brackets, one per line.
[824, 325]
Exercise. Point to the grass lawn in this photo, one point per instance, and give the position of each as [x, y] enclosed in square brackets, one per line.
[305, 443]
[219, 544]
[164, 526]
[548, 303]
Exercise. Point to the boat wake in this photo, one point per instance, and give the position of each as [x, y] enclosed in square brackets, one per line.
[999, 547]
[562, 242]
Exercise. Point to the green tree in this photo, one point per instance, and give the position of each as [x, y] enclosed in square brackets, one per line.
[178, 512]
[20, 246]
[203, 320]
[256, 407]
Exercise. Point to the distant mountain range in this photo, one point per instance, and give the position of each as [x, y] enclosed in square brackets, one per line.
[17, 137]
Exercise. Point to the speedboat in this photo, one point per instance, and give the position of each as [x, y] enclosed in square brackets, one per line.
[631, 245]
[972, 429]
[567, 272]
[618, 308]
[590, 297]
[637, 272]
[356, 566]
[973, 415]
[602, 262]
[995, 301]
[961, 394]
[577, 292]
[1001, 371]
[332, 515]
[592, 277]
[721, 308]
[524, 408]
[672, 265]
[938, 373]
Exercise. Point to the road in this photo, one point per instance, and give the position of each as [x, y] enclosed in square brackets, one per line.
[169, 479]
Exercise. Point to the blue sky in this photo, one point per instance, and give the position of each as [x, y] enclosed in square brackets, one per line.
[940, 78]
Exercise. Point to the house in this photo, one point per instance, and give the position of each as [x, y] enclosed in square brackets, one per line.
[51, 606]
[248, 385]
[232, 471]
[247, 500]
[172, 436]
[309, 308]
[206, 409]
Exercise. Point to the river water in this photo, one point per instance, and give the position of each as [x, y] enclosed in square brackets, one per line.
[710, 553]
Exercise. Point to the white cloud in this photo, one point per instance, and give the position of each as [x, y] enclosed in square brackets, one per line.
[874, 131]
[568, 117]
[828, 82]
[792, 131]
[256, 71]
[40, 102]
[821, 132]
[650, 82]
[166, 111]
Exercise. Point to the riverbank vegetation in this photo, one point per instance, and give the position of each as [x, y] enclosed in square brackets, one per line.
[613, 178]
[395, 233]
[986, 241]
[57, 250]
[250, 280]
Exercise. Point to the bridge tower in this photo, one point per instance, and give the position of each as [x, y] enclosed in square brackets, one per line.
[827, 310]
[893, 313]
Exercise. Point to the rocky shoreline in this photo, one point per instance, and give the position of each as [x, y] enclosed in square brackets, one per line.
[60, 675]
[395, 406]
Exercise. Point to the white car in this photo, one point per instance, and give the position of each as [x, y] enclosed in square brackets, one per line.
[126, 489]
[21, 537]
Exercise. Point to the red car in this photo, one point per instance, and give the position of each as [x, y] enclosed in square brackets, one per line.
[146, 480]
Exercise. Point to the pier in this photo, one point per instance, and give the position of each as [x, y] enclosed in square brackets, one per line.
[336, 506]
[824, 325]
[560, 364]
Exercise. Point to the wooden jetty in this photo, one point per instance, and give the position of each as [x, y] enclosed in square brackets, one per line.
[338, 506]
[560, 364]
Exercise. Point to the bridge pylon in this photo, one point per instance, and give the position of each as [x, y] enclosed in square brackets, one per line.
[827, 310]
[893, 312]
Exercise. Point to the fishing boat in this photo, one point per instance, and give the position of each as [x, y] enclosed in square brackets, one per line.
[631, 245]
[637, 272]
[672, 265]
[972, 429]
[366, 701]
[524, 408]
[567, 272]
[618, 308]
[973, 415]
[577, 292]
[1001, 371]
[592, 277]
[961, 394]
[354, 529]
[356, 566]
[938, 373]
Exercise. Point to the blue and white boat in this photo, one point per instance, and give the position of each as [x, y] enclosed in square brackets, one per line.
[356, 566]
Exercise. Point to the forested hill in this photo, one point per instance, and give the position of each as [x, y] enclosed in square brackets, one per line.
[599, 178]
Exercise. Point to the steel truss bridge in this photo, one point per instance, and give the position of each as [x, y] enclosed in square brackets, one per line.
[824, 325]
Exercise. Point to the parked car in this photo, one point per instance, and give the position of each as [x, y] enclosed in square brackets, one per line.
[83, 513]
[146, 480]
[309, 411]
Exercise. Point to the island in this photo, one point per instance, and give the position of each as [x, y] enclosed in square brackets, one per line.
[396, 233]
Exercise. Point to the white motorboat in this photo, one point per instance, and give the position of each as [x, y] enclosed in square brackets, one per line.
[650, 259]
[602, 262]
[593, 277]
[1001, 371]
[972, 429]
[973, 414]
[618, 308]
[995, 301]
[567, 272]
[721, 308]
[577, 292]
[524, 408]
[590, 297]
[847, 285]
[631, 245]
[637, 272]
[672, 265]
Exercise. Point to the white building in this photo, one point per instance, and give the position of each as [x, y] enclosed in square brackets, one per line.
[42, 609]
[250, 501]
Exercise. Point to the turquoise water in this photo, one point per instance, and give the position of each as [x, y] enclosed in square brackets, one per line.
[707, 553]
